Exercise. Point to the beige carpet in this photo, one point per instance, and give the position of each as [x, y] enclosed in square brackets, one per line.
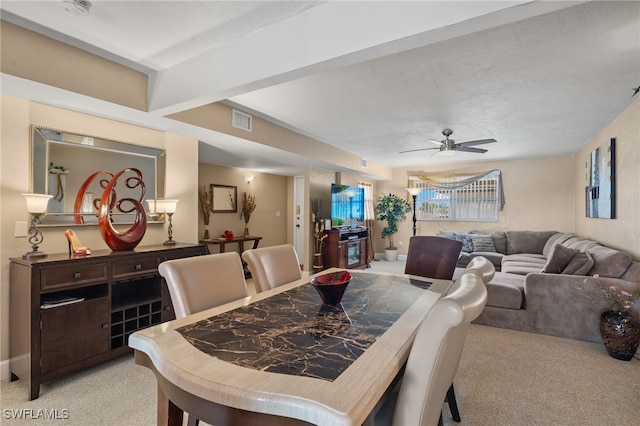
[505, 378]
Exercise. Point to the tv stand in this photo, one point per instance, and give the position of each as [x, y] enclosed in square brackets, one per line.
[346, 248]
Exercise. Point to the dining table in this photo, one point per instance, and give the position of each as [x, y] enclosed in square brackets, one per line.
[283, 357]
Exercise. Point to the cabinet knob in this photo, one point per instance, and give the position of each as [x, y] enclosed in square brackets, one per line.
[138, 267]
[77, 275]
[104, 326]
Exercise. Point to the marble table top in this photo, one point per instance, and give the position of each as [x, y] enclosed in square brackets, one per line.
[295, 333]
[377, 324]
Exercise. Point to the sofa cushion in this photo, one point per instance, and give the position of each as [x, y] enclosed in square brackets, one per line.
[557, 238]
[580, 243]
[559, 258]
[527, 241]
[506, 291]
[580, 264]
[483, 243]
[608, 262]
[500, 241]
[467, 242]
[526, 257]
[493, 257]
[521, 269]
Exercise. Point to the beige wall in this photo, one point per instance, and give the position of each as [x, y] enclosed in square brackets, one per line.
[538, 194]
[17, 116]
[270, 218]
[623, 232]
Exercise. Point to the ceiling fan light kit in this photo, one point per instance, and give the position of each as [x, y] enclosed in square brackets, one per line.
[77, 7]
[450, 147]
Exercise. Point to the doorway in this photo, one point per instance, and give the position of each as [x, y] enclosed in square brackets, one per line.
[299, 215]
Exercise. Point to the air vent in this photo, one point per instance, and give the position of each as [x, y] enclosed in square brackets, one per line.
[241, 120]
[363, 163]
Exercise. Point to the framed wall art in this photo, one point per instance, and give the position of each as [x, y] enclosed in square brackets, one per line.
[600, 181]
[225, 198]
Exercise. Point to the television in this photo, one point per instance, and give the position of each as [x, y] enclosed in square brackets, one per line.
[347, 206]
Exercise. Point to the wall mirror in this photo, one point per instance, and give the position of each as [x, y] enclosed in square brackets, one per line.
[61, 162]
[600, 181]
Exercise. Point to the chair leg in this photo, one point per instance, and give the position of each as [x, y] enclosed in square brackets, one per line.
[453, 405]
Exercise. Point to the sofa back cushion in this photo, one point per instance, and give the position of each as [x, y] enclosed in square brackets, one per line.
[608, 262]
[527, 241]
[557, 238]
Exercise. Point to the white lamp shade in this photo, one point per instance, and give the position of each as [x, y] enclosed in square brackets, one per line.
[166, 206]
[414, 191]
[152, 205]
[37, 203]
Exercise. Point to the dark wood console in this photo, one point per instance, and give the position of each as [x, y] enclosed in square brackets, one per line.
[346, 248]
[71, 312]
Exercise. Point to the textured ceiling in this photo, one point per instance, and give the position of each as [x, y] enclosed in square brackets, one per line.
[373, 78]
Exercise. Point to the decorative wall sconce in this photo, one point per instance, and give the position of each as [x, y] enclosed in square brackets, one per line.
[162, 207]
[37, 206]
[249, 178]
[414, 193]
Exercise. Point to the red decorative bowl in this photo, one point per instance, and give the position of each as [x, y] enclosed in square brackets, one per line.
[331, 286]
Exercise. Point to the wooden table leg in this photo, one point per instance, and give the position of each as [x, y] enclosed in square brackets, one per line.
[221, 247]
[168, 413]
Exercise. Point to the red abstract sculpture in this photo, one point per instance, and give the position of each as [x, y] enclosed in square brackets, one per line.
[115, 239]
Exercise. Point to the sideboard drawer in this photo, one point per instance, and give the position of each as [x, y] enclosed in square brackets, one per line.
[140, 266]
[72, 276]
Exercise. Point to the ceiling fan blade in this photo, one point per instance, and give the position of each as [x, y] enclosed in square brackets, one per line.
[469, 149]
[478, 142]
[414, 150]
[439, 143]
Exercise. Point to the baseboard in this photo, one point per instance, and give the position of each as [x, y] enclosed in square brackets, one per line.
[5, 371]
[380, 256]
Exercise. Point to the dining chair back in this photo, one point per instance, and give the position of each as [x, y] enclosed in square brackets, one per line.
[482, 267]
[273, 266]
[202, 282]
[436, 352]
[432, 257]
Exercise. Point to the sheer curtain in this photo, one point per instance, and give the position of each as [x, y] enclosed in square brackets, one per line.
[369, 215]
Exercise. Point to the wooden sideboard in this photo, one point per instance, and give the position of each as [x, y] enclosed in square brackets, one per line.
[346, 248]
[113, 294]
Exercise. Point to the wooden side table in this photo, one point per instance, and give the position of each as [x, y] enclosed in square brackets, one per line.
[222, 242]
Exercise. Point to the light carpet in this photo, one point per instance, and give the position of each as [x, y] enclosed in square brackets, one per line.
[505, 377]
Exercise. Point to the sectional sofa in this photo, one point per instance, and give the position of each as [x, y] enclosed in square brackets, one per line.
[547, 281]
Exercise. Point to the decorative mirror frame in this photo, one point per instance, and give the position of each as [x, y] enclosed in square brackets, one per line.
[224, 198]
[43, 139]
[600, 181]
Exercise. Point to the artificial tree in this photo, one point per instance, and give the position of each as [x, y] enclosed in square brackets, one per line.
[393, 209]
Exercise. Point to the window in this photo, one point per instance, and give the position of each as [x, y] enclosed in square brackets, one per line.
[459, 197]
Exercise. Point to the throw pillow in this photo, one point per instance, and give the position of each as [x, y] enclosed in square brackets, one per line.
[467, 242]
[483, 243]
[580, 264]
[559, 258]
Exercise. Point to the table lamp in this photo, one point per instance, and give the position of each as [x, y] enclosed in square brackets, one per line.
[414, 193]
[167, 207]
[37, 206]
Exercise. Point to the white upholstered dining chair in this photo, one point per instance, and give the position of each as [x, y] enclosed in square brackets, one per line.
[482, 267]
[202, 282]
[273, 266]
[435, 356]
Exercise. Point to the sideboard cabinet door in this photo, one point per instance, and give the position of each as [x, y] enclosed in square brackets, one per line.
[72, 333]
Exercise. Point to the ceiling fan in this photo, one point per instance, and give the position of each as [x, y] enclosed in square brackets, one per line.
[449, 146]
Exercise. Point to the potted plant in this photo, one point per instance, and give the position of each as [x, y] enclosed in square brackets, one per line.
[393, 209]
